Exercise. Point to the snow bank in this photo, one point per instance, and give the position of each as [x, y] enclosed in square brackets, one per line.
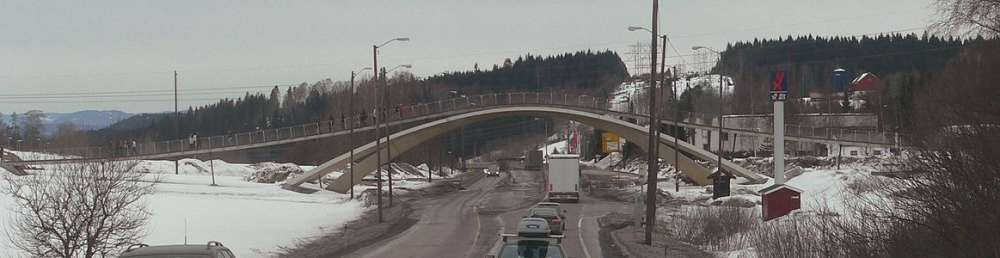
[194, 167]
[252, 219]
[29, 155]
[270, 172]
[610, 160]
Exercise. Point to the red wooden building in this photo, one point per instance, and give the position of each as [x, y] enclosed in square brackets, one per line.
[779, 200]
[866, 82]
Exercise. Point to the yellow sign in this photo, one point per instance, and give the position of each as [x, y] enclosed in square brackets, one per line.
[610, 142]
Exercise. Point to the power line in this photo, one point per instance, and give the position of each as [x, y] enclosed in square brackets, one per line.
[107, 101]
[113, 93]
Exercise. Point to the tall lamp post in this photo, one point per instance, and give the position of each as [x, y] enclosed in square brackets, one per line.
[659, 91]
[721, 98]
[378, 136]
[388, 105]
[353, 124]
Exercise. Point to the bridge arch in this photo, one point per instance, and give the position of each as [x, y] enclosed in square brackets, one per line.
[406, 139]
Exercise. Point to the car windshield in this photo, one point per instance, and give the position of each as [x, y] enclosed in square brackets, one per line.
[531, 249]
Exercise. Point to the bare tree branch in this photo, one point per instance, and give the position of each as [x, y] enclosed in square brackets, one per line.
[80, 210]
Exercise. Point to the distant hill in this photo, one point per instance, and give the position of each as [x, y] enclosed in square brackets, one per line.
[87, 119]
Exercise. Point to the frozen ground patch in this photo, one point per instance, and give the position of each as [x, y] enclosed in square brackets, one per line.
[252, 219]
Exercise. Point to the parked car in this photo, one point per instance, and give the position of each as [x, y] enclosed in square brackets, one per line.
[531, 241]
[211, 250]
[552, 216]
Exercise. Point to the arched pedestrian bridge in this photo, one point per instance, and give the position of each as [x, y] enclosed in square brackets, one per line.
[414, 136]
[429, 119]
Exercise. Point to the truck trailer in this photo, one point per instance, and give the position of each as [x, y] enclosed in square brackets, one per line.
[563, 177]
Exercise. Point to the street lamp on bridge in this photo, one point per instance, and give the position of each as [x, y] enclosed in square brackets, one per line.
[378, 135]
[353, 124]
[388, 133]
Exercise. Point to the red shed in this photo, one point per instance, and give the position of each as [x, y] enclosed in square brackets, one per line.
[779, 200]
[866, 82]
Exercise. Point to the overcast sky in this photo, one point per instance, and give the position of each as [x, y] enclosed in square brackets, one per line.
[79, 48]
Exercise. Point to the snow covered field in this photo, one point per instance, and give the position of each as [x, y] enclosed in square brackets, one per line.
[252, 219]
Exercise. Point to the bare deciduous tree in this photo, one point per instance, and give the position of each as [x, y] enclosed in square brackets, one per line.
[968, 16]
[78, 210]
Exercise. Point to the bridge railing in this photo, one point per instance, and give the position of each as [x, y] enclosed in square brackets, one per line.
[365, 119]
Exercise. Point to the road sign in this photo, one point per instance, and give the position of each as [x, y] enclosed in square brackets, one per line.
[610, 142]
[779, 86]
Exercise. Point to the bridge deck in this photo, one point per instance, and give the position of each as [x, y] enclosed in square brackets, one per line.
[424, 112]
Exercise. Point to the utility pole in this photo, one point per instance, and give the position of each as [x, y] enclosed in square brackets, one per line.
[652, 167]
[722, 97]
[659, 92]
[430, 167]
[378, 136]
[461, 151]
[545, 139]
[388, 131]
[177, 124]
[350, 138]
[718, 68]
[677, 117]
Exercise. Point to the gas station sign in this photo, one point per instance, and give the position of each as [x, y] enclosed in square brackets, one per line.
[779, 86]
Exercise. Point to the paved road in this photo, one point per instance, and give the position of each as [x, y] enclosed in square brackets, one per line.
[581, 236]
[448, 227]
[451, 226]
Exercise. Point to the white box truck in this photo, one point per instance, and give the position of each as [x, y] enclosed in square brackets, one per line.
[563, 177]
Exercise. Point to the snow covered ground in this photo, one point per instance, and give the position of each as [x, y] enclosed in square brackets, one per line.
[252, 219]
[823, 186]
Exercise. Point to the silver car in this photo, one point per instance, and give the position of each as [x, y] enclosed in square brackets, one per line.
[531, 241]
[211, 250]
[556, 223]
[553, 205]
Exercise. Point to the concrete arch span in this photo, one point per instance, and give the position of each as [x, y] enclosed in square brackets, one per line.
[413, 136]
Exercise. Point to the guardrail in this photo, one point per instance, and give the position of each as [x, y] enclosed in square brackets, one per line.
[424, 110]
